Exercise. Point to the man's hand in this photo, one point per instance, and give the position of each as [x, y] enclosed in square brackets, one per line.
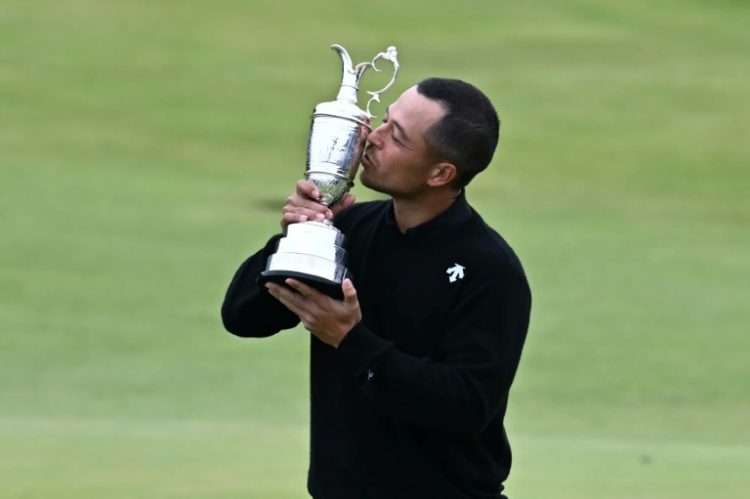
[328, 319]
[303, 205]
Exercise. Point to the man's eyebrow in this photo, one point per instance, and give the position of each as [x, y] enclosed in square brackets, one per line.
[398, 126]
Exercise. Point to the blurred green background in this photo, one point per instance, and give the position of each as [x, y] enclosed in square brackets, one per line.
[146, 148]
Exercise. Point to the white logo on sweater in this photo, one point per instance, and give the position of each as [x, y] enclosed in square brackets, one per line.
[456, 272]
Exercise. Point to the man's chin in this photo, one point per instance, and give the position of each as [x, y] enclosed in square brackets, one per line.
[364, 180]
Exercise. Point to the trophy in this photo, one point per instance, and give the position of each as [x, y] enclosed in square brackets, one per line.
[313, 251]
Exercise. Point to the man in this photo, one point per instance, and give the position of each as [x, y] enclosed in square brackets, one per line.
[410, 372]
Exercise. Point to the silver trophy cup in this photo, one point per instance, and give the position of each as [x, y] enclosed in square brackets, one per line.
[313, 252]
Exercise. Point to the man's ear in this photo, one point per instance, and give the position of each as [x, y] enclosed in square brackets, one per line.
[442, 174]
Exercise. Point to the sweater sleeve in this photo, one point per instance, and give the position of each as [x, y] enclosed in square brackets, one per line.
[467, 385]
[248, 309]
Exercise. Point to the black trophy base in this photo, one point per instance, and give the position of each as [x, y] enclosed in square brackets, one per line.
[330, 288]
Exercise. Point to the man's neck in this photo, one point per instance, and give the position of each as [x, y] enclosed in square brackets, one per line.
[410, 213]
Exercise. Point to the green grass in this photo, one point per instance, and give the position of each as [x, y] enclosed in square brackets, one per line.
[147, 146]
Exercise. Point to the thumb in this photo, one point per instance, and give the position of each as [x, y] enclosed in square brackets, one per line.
[349, 200]
[308, 189]
[345, 202]
[350, 293]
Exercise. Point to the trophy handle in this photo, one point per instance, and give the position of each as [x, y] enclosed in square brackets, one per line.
[389, 55]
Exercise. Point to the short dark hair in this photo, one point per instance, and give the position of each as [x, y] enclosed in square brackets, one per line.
[468, 134]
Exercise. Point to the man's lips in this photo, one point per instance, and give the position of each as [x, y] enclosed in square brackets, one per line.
[366, 161]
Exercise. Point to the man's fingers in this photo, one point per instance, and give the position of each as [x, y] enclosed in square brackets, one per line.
[299, 304]
[292, 218]
[350, 293]
[287, 297]
[313, 209]
[303, 289]
[307, 189]
[296, 202]
[295, 214]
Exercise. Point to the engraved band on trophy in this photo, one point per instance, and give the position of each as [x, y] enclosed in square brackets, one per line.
[313, 252]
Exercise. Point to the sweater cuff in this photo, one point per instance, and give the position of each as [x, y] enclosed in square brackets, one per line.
[361, 347]
[270, 247]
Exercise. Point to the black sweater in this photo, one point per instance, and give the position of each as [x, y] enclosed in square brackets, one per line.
[411, 404]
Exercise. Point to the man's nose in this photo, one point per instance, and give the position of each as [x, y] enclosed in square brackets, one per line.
[374, 136]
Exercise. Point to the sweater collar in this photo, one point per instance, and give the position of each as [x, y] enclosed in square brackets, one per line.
[457, 214]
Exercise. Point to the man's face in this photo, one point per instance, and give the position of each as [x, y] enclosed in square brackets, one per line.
[397, 160]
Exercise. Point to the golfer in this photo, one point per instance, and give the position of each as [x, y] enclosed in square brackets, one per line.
[409, 372]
